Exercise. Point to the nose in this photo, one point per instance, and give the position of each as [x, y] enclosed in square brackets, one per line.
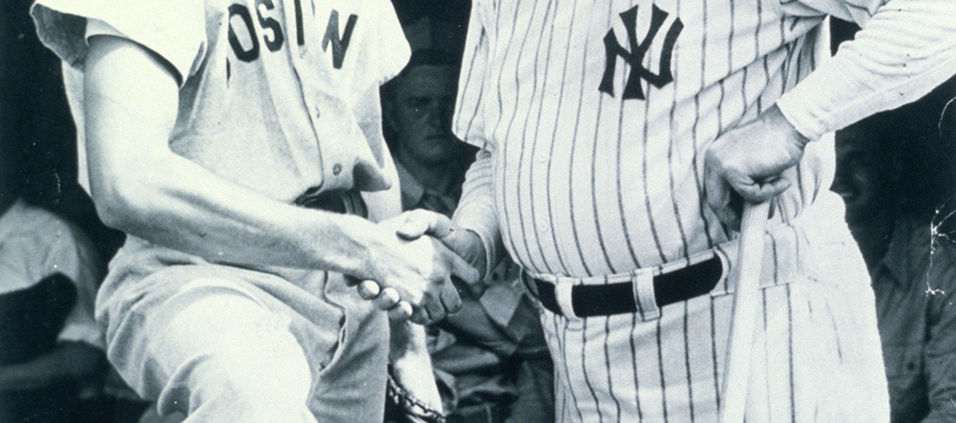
[438, 114]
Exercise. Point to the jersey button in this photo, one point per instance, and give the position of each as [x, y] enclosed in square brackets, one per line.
[336, 169]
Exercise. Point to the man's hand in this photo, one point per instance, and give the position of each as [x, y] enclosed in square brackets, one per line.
[465, 243]
[462, 249]
[412, 278]
[749, 161]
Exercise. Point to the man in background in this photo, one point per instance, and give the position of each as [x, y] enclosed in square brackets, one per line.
[896, 171]
[490, 358]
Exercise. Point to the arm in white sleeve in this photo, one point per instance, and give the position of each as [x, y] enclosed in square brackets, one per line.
[476, 209]
[907, 48]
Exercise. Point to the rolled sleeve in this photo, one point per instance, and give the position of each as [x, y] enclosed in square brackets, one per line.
[907, 48]
[173, 29]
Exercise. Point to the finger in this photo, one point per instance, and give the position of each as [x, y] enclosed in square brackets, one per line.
[369, 289]
[387, 299]
[477, 289]
[419, 316]
[434, 307]
[423, 222]
[401, 312]
[759, 192]
[459, 267]
[716, 190]
[450, 298]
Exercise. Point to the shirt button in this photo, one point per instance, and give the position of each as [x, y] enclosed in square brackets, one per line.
[336, 169]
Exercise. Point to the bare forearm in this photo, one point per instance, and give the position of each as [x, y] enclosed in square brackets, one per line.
[141, 187]
[191, 210]
[68, 361]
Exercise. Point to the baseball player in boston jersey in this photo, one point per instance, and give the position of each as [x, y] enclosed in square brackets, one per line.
[614, 136]
[238, 143]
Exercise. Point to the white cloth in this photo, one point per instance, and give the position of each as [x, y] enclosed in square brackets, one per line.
[593, 118]
[307, 114]
[278, 96]
[34, 244]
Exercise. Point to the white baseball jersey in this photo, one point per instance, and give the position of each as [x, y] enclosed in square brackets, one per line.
[294, 83]
[277, 96]
[594, 117]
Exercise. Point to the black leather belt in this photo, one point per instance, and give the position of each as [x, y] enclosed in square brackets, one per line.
[618, 298]
[336, 201]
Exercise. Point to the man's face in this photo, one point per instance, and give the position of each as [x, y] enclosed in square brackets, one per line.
[860, 177]
[424, 101]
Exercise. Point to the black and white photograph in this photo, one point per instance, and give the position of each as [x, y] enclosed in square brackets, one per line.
[478, 211]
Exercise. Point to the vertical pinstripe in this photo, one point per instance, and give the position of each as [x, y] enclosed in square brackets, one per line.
[534, 141]
[534, 86]
[690, 384]
[509, 235]
[634, 358]
[670, 157]
[647, 196]
[584, 372]
[713, 350]
[594, 154]
[588, 183]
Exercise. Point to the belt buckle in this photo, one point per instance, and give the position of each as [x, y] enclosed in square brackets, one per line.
[642, 282]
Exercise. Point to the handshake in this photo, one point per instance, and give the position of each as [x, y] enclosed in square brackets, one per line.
[423, 266]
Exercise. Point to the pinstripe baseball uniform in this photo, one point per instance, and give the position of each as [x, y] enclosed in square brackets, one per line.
[593, 117]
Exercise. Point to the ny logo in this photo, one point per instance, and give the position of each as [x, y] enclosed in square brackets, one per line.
[635, 57]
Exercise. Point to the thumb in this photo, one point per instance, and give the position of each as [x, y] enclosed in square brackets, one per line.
[422, 222]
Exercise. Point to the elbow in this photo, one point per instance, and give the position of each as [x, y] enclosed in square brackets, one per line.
[120, 203]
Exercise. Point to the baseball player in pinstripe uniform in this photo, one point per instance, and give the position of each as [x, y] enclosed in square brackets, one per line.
[606, 127]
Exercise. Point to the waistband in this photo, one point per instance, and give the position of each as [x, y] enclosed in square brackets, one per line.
[644, 291]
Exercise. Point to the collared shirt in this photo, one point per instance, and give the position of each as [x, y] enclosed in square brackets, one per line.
[416, 195]
[915, 286]
[34, 244]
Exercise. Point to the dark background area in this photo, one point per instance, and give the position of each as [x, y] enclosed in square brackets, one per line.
[36, 127]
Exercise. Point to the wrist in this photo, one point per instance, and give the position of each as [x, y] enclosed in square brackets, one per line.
[778, 119]
[475, 253]
[355, 247]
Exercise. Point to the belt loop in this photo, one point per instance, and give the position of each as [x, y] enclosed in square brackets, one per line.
[643, 283]
[562, 293]
[722, 287]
